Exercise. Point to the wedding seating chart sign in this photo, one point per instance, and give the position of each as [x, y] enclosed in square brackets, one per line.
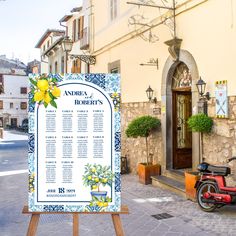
[74, 143]
[221, 99]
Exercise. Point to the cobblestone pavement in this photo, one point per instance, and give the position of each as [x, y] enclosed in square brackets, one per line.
[143, 202]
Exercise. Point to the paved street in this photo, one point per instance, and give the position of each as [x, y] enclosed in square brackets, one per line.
[143, 202]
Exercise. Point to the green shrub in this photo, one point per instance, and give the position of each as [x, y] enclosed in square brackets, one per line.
[142, 127]
[200, 123]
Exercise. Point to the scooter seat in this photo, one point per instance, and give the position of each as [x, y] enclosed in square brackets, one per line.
[215, 170]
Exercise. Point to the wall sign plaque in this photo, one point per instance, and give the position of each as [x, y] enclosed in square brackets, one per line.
[74, 143]
[221, 99]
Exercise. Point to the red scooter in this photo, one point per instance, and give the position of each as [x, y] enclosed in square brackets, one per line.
[212, 191]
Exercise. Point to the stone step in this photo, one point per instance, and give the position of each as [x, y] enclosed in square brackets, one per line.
[175, 174]
[169, 183]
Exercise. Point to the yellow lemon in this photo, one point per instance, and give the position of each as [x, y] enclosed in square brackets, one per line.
[93, 170]
[56, 92]
[89, 177]
[96, 180]
[105, 204]
[38, 96]
[100, 204]
[104, 180]
[43, 85]
[94, 186]
[47, 98]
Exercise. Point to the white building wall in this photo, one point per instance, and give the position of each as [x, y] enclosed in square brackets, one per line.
[12, 94]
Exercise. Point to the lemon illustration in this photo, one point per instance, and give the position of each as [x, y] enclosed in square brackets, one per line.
[38, 96]
[42, 85]
[56, 92]
[94, 186]
[104, 180]
[89, 177]
[96, 180]
[93, 170]
[47, 98]
[100, 204]
[105, 204]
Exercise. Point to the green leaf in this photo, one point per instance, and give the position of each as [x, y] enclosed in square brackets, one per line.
[51, 96]
[53, 103]
[33, 82]
[45, 104]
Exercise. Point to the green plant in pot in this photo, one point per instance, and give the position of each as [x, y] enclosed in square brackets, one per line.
[203, 124]
[200, 123]
[97, 177]
[142, 127]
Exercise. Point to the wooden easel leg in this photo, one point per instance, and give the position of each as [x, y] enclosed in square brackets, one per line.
[33, 225]
[117, 224]
[75, 224]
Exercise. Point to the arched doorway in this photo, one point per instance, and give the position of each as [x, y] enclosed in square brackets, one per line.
[182, 110]
[179, 100]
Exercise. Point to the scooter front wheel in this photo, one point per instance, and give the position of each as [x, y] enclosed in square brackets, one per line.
[204, 188]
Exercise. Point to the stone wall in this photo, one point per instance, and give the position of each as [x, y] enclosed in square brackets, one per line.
[135, 148]
[220, 145]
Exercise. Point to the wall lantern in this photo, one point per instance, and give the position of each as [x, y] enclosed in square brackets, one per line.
[149, 93]
[201, 86]
[202, 103]
[67, 44]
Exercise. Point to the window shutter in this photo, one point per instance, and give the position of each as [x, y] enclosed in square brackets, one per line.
[81, 21]
[74, 30]
[1, 104]
[78, 29]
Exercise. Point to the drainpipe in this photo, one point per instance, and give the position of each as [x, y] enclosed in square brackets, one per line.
[66, 54]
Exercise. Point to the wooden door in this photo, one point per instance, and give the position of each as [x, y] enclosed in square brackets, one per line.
[182, 136]
[13, 122]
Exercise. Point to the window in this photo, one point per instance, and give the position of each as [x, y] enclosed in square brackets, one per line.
[81, 27]
[114, 67]
[56, 69]
[78, 25]
[23, 105]
[44, 47]
[11, 105]
[50, 69]
[113, 9]
[1, 104]
[62, 64]
[76, 67]
[115, 70]
[74, 30]
[23, 90]
[1, 84]
[48, 44]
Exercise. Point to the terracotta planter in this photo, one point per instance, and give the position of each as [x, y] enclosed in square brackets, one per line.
[146, 171]
[190, 180]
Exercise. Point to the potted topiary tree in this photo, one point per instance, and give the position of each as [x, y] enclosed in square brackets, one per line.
[203, 124]
[142, 127]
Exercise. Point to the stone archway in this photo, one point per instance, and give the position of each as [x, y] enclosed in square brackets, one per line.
[166, 93]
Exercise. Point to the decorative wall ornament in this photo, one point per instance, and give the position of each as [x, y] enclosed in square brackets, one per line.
[143, 26]
[221, 99]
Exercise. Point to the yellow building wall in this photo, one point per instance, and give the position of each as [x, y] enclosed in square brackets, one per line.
[208, 30]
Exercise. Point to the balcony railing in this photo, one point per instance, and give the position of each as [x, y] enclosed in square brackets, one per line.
[84, 40]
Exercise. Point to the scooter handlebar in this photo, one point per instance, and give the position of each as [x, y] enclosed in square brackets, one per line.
[231, 159]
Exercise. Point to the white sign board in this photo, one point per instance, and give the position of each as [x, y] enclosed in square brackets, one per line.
[74, 143]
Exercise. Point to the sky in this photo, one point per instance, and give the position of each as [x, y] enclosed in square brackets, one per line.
[23, 22]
